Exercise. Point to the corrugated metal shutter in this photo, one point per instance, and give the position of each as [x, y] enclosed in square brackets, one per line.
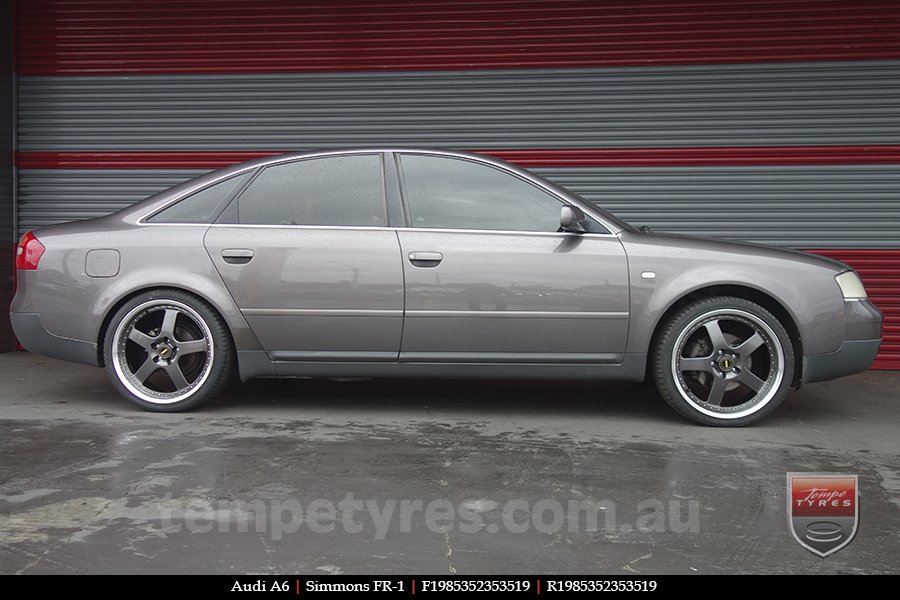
[265, 36]
[720, 105]
[712, 123]
[697, 106]
[48, 196]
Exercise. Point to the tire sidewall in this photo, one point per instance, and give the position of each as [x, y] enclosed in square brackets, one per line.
[665, 347]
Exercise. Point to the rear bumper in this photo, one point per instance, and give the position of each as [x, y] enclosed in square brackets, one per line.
[857, 353]
[32, 334]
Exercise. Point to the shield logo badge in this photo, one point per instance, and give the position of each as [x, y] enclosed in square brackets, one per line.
[823, 510]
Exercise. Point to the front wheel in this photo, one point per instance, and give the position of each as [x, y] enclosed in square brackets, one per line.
[723, 361]
[168, 351]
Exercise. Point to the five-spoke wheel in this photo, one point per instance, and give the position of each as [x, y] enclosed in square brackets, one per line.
[167, 350]
[724, 361]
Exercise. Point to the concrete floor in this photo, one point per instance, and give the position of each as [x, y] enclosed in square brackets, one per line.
[90, 485]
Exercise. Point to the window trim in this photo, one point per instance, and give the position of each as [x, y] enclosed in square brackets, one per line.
[407, 213]
[397, 214]
[587, 234]
[401, 183]
[261, 169]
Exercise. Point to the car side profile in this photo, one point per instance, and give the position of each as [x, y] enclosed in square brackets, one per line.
[423, 263]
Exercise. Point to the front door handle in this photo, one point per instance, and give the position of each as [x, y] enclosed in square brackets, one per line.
[425, 259]
[237, 256]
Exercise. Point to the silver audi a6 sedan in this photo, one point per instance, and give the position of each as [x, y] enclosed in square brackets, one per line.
[425, 263]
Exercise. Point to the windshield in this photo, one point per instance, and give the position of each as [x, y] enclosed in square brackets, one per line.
[614, 219]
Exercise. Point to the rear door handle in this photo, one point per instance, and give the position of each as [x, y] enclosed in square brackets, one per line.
[237, 256]
[425, 259]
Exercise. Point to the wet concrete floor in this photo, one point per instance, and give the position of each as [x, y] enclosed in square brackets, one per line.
[428, 477]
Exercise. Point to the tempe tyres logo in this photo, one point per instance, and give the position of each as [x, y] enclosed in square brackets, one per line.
[823, 510]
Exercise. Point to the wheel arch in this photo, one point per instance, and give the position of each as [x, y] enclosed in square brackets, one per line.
[746, 292]
[115, 306]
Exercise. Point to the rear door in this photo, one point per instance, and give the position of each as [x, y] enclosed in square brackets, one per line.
[306, 253]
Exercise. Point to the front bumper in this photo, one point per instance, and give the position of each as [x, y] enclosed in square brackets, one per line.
[32, 334]
[862, 339]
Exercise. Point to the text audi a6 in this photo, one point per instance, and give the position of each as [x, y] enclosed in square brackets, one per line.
[405, 262]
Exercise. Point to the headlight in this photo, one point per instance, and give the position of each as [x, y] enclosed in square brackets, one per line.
[851, 286]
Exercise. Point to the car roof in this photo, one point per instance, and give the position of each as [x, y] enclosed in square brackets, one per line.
[289, 156]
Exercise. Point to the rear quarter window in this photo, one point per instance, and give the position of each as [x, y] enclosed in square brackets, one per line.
[203, 206]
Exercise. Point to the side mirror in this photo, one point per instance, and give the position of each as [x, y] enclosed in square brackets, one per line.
[572, 219]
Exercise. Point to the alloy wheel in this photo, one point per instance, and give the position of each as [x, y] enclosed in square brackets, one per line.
[728, 363]
[163, 351]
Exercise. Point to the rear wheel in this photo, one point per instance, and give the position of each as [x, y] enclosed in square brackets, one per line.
[724, 361]
[168, 351]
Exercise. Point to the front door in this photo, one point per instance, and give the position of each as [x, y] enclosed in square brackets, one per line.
[489, 278]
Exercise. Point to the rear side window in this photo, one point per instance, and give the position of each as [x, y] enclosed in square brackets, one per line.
[200, 207]
[334, 190]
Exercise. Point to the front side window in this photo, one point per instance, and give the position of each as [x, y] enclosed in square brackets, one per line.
[334, 190]
[202, 206]
[452, 193]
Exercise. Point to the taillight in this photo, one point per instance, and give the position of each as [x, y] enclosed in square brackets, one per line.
[29, 252]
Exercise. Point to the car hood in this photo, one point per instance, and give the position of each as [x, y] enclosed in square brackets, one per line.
[738, 249]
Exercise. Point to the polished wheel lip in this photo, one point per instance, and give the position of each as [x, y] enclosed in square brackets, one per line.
[772, 384]
[126, 376]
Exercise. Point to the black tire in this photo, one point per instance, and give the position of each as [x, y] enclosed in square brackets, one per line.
[160, 334]
[723, 361]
